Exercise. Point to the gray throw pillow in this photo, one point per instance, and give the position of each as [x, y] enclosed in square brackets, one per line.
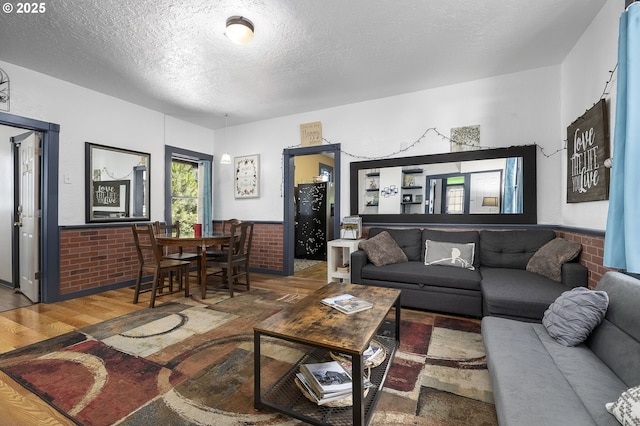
[548, 259]
[459, 255]
[574, 315]
[383, 250]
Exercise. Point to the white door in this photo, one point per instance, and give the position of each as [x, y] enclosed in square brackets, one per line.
[27, 216]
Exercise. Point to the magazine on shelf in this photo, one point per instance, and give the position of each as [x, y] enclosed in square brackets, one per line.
[347, 303]
[326, 378]
[319, 399]
[372, 351]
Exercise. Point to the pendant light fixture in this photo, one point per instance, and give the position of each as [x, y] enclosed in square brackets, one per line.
[239, 30]
[226, 158]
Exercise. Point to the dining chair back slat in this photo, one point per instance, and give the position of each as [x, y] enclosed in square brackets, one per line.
[151, 260]
[234, 263]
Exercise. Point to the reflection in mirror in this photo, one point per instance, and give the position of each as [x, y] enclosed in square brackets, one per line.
[484, 186]
[117, 184]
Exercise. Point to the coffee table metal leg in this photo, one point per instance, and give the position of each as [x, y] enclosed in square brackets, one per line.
[257, 403]
[358, 407]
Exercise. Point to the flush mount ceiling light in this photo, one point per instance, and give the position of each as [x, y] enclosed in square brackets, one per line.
[239, 30]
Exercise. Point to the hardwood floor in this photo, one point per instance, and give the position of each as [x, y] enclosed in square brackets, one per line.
[10, 299]
[31, 324]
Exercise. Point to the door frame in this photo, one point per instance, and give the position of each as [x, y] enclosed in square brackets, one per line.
[49, 235]
[288, 155]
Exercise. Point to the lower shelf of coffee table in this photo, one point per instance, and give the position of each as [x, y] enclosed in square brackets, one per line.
[284, 395]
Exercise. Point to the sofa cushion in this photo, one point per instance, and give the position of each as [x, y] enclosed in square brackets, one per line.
[511, 249]
[549, 258]
[452, 237]
[517, 293]
[616, 341]
[382, 250]
[422, 275]
[574, 314]
[627, 408]
[409, 240]
[449, 254]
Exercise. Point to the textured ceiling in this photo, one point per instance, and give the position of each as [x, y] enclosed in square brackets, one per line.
[172, 55]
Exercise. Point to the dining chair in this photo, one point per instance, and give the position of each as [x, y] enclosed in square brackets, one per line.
[222, 250]
[152, 261]
[235, 262]
[173, 230]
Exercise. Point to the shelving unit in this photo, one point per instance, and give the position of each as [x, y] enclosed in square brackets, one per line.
[409, 188]
[337, 252]
[373, 189]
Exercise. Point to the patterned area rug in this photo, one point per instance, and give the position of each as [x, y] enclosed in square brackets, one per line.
[191, 363]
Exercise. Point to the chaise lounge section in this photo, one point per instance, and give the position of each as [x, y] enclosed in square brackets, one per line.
[538, 381]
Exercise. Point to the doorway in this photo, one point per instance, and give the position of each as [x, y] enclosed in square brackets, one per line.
[291, 234]
[46, 269]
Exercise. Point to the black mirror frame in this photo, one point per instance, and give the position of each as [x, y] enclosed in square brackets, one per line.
[89, 216]
[530, 201]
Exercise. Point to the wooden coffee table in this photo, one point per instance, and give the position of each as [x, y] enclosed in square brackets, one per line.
[324, 329]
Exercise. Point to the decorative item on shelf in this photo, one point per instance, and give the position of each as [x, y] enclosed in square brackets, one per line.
[409, 180]
[351, 228]
[407, 198]
[418, 198]
[343, 269]
[373, 184]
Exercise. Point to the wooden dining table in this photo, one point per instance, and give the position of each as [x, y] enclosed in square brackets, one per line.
[216, 239]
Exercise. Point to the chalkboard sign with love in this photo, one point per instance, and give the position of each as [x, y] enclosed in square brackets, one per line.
[587, 148]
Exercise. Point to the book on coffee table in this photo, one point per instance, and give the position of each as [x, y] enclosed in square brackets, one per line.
[347, 303]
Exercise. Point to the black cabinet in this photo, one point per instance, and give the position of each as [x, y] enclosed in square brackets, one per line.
[313, 218]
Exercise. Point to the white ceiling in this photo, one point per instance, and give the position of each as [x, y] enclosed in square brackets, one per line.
[172, 55]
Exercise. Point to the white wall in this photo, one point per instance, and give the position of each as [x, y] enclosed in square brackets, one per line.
[88, 116]
[515, 109]
[585, 72]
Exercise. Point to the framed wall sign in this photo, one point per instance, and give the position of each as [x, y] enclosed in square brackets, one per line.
[247, 176]
[587, 148]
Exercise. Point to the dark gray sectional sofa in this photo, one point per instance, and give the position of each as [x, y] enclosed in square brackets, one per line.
[499, 285]
[538, 381]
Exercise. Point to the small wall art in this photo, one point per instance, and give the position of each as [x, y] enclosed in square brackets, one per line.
[465, 138]
[247, 176]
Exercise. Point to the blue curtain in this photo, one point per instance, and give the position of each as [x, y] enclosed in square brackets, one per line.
[207, 225]
[512, 186]
[622, 239]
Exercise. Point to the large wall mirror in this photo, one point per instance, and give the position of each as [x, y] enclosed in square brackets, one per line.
[116, 183]
[477, 187]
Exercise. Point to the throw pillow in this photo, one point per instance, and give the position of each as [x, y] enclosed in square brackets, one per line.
[383, 250]
[548, 259]
[627, 408]
[574, 314]
[459, 255]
